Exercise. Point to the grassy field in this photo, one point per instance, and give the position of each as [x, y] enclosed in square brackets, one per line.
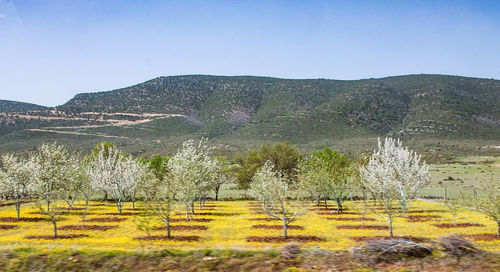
[231, 224]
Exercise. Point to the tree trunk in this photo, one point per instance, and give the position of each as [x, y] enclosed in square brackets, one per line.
[390, 225]
[18, 208]
[119, 206]
[55, 228]
[167, 222]
[326, 204]
[187, 212]
[217, 188]
[48, 205]
[192, 207]
[498, 223]
[85, 211]
[199, 204]
[285, 234]
[133, 204]
[339, 207]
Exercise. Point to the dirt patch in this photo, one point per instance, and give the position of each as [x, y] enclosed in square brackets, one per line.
[105, 219]
[86, 227]
[280, 239]
[426, 211]
[335, 213]
[166, 238]
[183, 227]
[350, 218]
[191, 220]
[371, 238]
[458, 225]
[216, 214]
[368, 227]
[262, 219]
[22, 219]
[280, 227]
[484, 237]
[7, 227]
[10, 204]
[422, 218]
[51, 237]
[123, 213]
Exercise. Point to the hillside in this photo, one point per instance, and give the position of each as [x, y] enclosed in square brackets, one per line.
[448, 115]
[13, 106]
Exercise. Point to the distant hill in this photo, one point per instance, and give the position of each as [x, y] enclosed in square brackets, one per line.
[13, 106]
[447, 115]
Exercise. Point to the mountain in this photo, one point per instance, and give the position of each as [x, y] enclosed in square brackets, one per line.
[440, 115]
[13, 106]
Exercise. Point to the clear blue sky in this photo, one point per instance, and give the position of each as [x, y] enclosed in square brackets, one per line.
[51, 50]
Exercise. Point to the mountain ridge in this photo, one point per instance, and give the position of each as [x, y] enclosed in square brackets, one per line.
[310, 113]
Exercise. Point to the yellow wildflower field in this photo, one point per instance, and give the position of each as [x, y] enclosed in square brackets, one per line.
[232, 223]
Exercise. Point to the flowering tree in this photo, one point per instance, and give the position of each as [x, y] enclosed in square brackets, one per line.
[394, 173]
[52, 168]
[15, 180]
[114, 173]
[277, 200]
[191, 172]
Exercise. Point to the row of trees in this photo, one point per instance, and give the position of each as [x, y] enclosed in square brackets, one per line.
[280, 178]
[52, 178]
[393, 175]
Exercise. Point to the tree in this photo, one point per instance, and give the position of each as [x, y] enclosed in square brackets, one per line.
[159, 166]
[114, 173]
[284, 157]
[52, 167]
[161, 200]
[277, 200]
[15, 180]
[313, 179]
[224, 174]
[191, 172]
[337, 169]
[490, 203]
[394, 174]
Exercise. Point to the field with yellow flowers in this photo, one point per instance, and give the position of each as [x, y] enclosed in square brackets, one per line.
[235, 225]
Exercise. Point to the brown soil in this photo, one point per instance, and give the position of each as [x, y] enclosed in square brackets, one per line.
[105, 219]
[426, 211]
[6, 227]
[73, 209]
[183, 227]
[334, 213]
[280, 239]
[356, 227]
[484, 237]
[12, 203]
[350, 218]
[51, 237]
[22, 219]
[86, 227]
[277, 227]
[191, 220]
[123, 213]
[165, 238]
[458, 225]
[136, 210]
[422, 218]
[262, 219]
[215, 213]
[371, 238]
